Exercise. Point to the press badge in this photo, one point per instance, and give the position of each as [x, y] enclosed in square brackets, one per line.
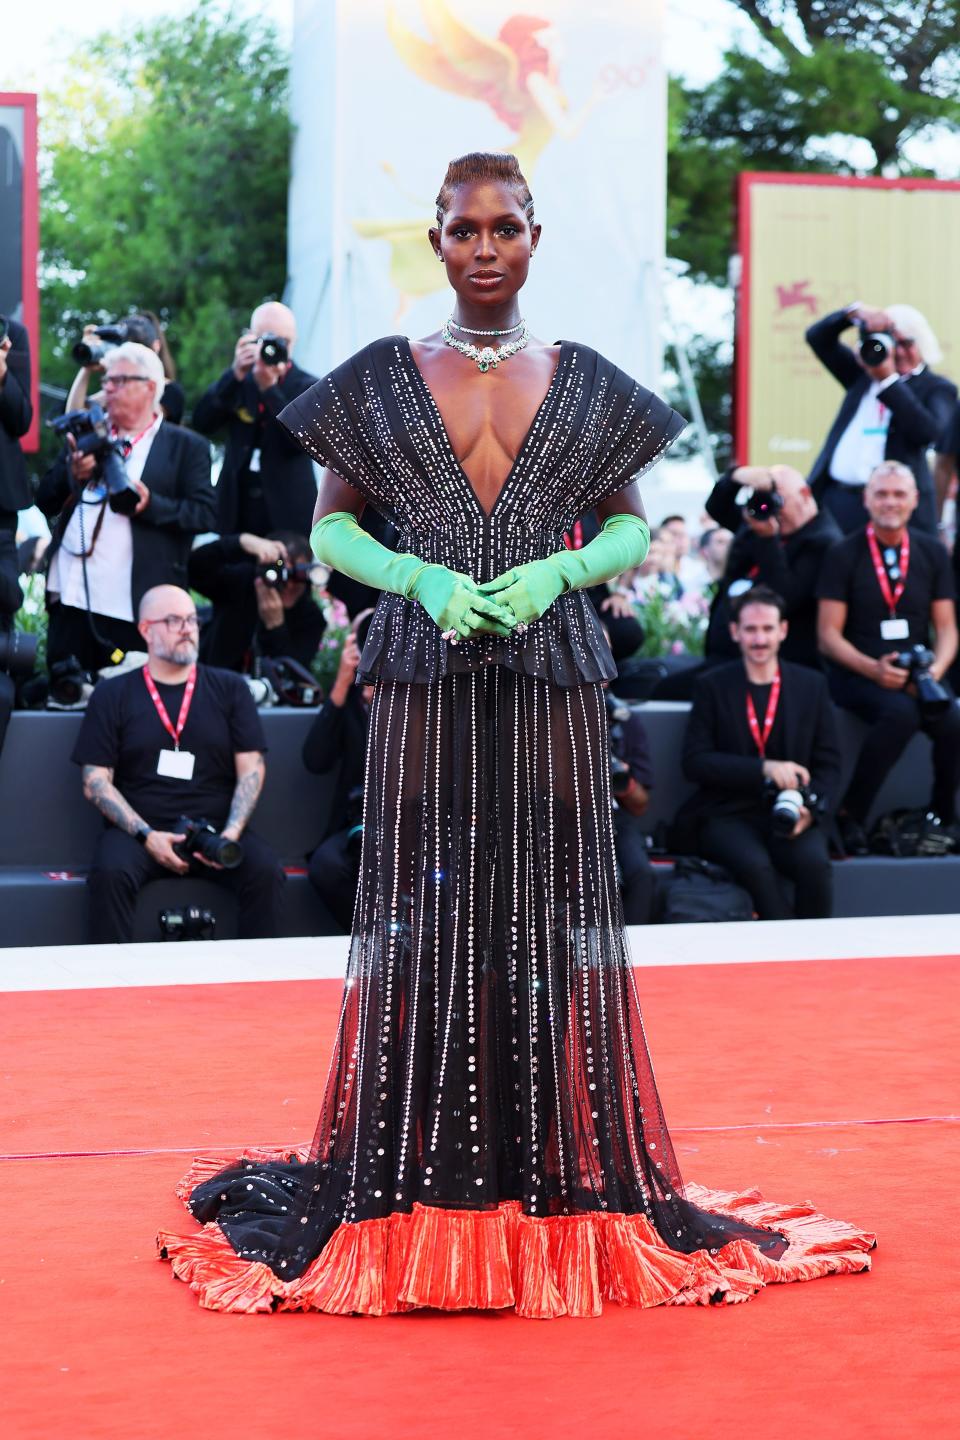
[176, 764]
[894, 630]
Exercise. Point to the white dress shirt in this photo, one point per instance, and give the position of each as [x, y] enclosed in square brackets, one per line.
[110, 567]
[863, 444]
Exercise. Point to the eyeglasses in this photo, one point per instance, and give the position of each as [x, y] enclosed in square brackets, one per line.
[176, 622]
[903, 344]
[118, 381]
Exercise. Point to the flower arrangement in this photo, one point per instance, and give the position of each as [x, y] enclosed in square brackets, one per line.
[326, 662]
[671, 626]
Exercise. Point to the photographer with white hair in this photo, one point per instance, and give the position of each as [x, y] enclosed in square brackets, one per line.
[129, 493]
[895, 407]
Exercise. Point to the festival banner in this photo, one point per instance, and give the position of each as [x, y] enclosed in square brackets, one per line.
[19, 298]
[386, 92]
[811, 244]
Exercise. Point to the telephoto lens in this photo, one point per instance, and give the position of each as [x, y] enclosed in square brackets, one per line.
[875, 346]
[203, 838]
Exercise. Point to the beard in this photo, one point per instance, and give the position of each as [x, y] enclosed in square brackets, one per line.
[177, 652]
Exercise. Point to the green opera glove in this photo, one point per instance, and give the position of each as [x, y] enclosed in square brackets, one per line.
[449, 598]
[531, 589]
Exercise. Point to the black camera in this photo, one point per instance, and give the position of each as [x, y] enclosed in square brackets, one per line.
[617, 714]
[763, 504]
[277, 573]
[288, 682]
[202, 838]
[932, 698]
[69, 684]
[91, 432]
[190, 923]
[18, 652]
[786, 805]
[274, 350]
[87, 352]
[355, 821]
[875, 345]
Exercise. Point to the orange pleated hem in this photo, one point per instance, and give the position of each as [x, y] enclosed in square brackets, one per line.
[503, 1259]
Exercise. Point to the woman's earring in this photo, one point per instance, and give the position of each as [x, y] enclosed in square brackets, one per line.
[440, 257]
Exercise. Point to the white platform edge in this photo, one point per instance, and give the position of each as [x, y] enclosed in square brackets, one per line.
[90, 967]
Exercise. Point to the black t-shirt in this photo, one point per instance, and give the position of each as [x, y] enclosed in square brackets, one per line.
[760, 695]
[121, 729]
[848, 575]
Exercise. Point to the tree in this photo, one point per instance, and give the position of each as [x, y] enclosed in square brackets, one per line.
[830, 78]
[164, 185]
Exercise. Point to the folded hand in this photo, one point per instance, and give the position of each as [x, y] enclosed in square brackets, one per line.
[526, 590]
[457, 604]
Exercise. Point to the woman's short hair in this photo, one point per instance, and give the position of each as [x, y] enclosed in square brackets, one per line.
[482, 165]
[147, 361]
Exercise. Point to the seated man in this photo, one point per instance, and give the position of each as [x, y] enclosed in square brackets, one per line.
[100, 562]
[882, 591]
[251, 616]
[338, 737]
[761, 726]
[173, 740]
[631, 780]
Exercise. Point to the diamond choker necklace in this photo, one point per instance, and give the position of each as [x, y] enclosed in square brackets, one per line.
[487, 358]
[464, 331]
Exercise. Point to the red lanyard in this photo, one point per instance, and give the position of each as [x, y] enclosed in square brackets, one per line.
[161, 709]
[883, 579]
[137, 438]
[761, 740]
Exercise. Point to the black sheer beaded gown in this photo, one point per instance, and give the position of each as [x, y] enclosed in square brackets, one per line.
[490, 1133]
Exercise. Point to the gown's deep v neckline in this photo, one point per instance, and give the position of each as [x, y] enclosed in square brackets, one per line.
[448, 443]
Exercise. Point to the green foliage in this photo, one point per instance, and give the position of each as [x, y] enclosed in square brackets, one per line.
[829, 77]
[165, 185]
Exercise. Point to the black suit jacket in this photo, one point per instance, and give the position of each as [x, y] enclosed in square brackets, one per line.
[338, 736]
[289, 483]
[177, 474]
[719, 753]
[16, 413]
[921, 407]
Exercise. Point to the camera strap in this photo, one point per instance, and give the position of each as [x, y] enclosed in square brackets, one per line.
[891, 596]
[161, 709]
[760, 738]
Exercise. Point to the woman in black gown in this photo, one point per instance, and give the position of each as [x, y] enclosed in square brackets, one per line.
[491, 1133]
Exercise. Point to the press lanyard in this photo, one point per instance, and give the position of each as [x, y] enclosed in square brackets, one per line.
[161, 709]
[883, 579]
[137, 438]
[760, 740]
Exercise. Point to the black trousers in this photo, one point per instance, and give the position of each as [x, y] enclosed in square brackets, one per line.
[756, 858]
[121, 867]
[895, 718]
[637, 880]
[334, 871]
[69, 632]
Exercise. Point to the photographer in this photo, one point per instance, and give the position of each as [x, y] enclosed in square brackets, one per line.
[169, 741]
[761, 744]
[881, 591]
[895, 407]
[631, 779]
[780, 541]
[267, 482]
[338, 737]
[262, 599]
[16, 415]
[99, 340]
[114, 541]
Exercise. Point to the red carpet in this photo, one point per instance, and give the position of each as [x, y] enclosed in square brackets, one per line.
[100, 1340]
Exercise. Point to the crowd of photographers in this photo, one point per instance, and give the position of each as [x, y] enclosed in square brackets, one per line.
[833, 589]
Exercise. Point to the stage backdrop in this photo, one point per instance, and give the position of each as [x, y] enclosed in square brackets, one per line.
[384, 94]
[18, 229]
[810, 244]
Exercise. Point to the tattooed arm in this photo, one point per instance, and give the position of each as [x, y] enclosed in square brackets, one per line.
[250, 775]
[99, 789]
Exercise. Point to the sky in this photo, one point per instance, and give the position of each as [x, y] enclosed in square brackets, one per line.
[37, 38]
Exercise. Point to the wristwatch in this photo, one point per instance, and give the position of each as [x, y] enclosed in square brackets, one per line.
[142, 833]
